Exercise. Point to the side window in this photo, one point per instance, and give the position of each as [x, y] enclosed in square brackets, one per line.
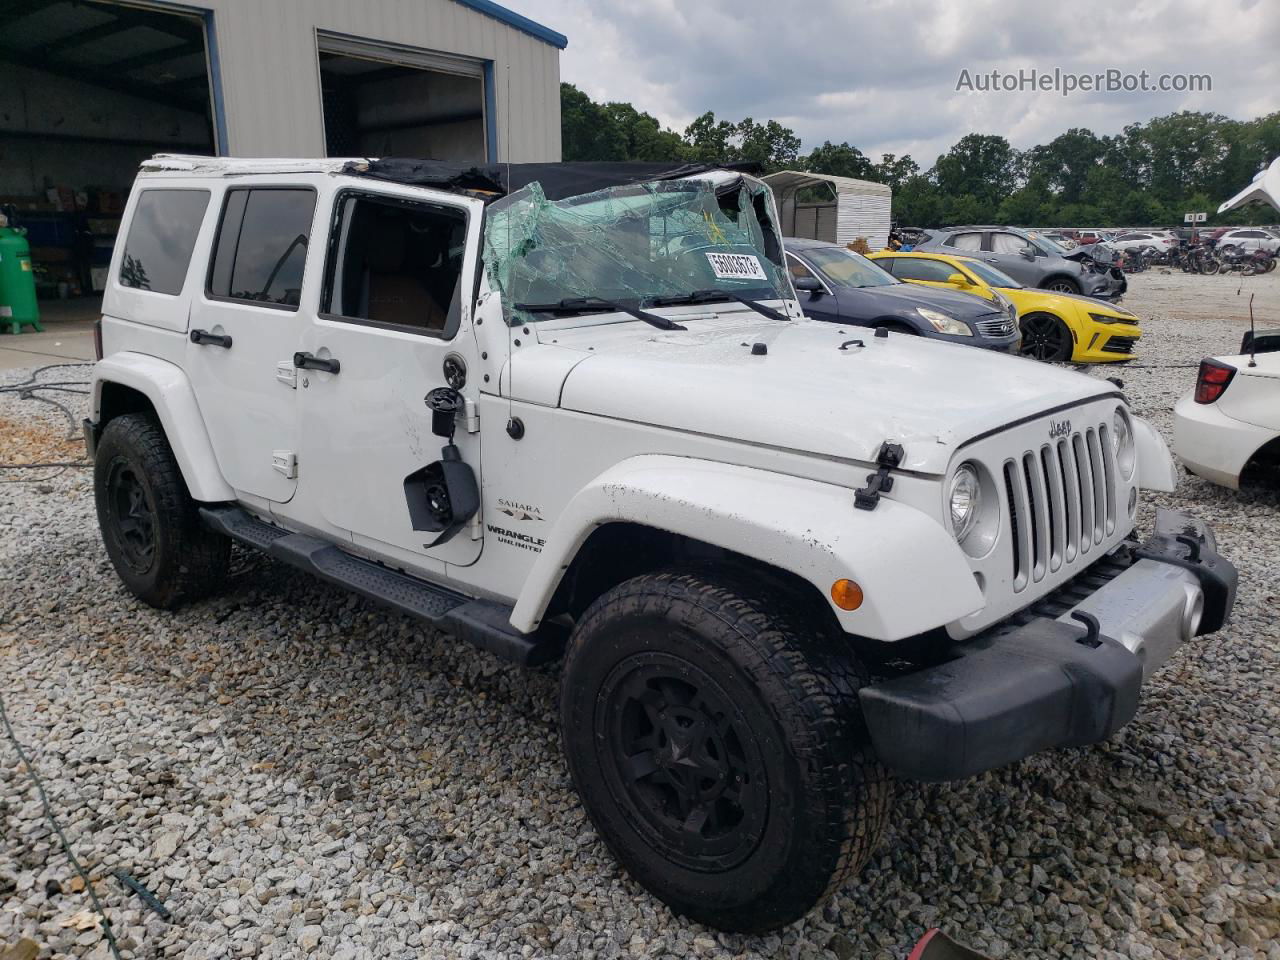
[1007, 243]
[797, 269]
[965, 241]
[396, 262]
[887, 263]
[262, 245]
[916, 268]
[162, 236]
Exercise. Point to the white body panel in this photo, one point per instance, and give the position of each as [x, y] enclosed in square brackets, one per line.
[768, 516]
[1217, 440]
[170, 393]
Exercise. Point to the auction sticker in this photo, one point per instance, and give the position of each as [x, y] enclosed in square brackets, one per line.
[736, 266]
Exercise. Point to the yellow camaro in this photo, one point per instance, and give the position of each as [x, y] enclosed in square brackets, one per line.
[1055, 326]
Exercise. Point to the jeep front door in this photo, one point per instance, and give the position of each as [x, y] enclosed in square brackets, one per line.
[392, 325]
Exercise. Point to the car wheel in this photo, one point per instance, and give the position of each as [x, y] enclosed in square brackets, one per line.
[717, 744]
[1062, 285]
[150, 526]
[1045, 337]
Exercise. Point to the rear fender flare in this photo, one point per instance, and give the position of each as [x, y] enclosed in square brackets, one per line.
[808, 528]
[169, 391]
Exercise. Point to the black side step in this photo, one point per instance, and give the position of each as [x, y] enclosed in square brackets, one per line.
[484, 623]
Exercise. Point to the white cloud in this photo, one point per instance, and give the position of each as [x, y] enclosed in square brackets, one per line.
[882, 74]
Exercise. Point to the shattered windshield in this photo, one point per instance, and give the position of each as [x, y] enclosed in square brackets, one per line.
[632, 245]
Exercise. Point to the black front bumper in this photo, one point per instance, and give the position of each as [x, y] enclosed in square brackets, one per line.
[1046, 683]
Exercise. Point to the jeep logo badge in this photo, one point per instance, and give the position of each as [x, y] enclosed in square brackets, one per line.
[1059, 428]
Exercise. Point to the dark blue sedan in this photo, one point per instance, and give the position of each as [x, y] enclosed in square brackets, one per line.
[836, 284]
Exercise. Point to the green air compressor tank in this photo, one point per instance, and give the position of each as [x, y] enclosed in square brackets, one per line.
[17, 282]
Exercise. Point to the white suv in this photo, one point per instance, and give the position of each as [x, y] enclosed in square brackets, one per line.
[575, 411]
[1249, 239]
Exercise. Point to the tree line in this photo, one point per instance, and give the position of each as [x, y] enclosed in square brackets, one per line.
[1150, 174]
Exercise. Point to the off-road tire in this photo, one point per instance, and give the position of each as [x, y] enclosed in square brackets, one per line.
[150, 526]
[780, 691]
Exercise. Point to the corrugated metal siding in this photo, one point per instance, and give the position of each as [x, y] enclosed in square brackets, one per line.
[271, 80]
[860, 215]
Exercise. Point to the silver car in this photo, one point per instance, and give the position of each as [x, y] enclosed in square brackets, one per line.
[1033, 259]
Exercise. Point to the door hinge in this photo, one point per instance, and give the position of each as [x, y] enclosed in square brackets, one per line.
[287, 373]
[470, 416]
[285, 463]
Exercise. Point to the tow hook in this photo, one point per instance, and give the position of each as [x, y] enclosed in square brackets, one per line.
[889, 457]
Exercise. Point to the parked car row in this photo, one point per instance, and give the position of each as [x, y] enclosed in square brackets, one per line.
[951, 287]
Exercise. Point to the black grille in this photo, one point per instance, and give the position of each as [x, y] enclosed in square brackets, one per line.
[1119, 345]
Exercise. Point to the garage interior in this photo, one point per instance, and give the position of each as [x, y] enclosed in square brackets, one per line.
[87, 91]
[388, 102]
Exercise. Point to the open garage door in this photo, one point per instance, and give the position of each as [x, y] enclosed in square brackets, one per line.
[87, 91]
[387, 100]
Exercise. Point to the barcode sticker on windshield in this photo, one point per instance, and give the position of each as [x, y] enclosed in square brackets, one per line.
[736, 266]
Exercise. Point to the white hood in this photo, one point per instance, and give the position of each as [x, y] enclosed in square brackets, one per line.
[805, 393]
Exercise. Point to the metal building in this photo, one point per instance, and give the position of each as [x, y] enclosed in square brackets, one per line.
[90, 88]
[836, 209]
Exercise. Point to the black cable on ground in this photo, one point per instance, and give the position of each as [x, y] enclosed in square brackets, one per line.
[66, 844]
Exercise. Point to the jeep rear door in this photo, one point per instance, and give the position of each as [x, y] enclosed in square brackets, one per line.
[244, 329]
[393, 310]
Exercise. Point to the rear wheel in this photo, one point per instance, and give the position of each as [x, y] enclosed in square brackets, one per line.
[1045, 337]
[1062, 285]
[718, 748]
[150, 525]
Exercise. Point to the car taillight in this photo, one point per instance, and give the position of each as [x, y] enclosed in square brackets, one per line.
[1212, 380]
[97, 338]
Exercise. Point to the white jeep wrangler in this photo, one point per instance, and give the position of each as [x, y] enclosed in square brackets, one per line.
[575, 411]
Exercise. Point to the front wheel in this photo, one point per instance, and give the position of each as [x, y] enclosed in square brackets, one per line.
[150, 525]
[1045, 337]
[717, 745]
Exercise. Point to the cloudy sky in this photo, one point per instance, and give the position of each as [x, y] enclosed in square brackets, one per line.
[882, 75]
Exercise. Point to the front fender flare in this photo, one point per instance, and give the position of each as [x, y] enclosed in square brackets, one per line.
[896, 553]
[169, 390]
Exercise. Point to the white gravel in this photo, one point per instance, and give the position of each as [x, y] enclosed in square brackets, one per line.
[297, 773]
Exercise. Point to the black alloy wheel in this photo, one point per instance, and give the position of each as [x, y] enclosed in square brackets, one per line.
[130, 519]
[682, 759]
[1045, 337]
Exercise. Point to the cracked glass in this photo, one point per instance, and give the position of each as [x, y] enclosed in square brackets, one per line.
[632, 245]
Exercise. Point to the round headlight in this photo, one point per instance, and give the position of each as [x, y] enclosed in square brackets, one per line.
[964, 499]
[1122, 443]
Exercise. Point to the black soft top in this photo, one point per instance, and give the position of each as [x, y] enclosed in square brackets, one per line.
[558, 180]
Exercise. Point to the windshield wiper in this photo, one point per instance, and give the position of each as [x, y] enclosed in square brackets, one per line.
[719, 296]
[585, 304]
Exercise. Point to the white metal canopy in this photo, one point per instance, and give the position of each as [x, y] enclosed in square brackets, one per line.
[1264, 189]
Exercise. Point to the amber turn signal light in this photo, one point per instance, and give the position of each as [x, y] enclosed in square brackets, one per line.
[846, 594]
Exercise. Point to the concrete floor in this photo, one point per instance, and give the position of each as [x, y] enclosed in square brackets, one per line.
[67, 336]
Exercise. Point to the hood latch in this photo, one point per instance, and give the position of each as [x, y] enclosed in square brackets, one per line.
[889, 457]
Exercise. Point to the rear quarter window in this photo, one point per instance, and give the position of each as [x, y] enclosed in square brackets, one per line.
[162, 236]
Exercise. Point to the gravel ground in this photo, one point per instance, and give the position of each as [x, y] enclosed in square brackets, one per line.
[296, 773]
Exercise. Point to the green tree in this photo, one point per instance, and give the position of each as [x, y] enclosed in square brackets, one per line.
[840, 160]
[981, 166]
[894, 171]
[1064, 162]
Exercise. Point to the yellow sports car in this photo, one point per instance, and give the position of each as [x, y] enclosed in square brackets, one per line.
[1055, 326]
